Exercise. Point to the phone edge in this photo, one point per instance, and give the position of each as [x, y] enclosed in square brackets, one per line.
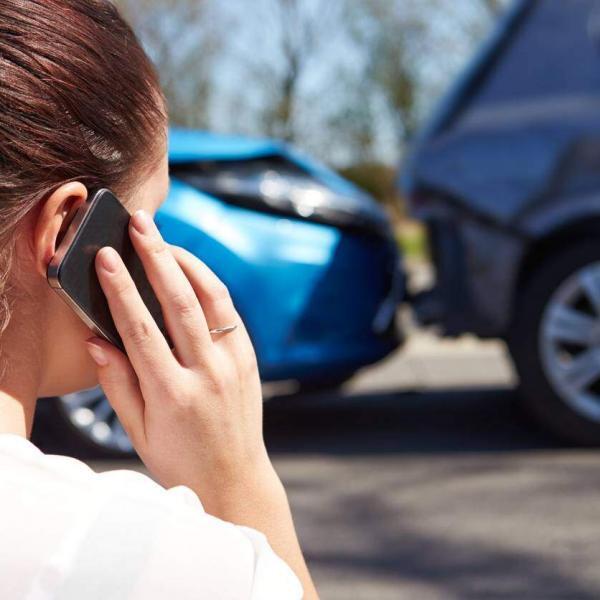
[84, 316]
[53, 270]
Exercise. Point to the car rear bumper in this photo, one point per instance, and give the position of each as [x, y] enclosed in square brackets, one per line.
[476, 268]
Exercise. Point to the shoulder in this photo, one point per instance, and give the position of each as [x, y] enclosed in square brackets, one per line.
[78, 528]
[22, 462]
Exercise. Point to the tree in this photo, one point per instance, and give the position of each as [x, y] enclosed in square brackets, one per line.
[347, 80]
[391, 30]
[183, 41]
[288, 37]
[416, 48]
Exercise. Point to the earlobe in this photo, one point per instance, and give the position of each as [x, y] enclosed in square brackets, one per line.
[52, 220]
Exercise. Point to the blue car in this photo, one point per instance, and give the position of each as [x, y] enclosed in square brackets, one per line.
[310, 260]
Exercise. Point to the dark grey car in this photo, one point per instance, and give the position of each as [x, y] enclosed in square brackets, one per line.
[507, 178]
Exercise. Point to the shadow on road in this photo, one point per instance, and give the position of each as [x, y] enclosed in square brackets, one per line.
[371, 423]
[467, 420]
[436, 498]
[406, 555]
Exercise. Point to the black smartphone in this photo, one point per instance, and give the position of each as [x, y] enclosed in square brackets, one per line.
[101, 221]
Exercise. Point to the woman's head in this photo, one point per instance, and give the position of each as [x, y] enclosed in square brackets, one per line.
[80, 108]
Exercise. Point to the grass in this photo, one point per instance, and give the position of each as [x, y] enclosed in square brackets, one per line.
[412, 239]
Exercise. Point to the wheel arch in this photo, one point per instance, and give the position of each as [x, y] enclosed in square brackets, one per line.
[550, 244]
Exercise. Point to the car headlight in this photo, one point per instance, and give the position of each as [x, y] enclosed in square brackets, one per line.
[281, 187]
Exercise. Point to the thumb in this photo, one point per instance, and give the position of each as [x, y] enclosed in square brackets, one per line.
[120, 384]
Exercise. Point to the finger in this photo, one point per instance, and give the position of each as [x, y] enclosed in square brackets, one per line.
[180, 306]
[216, 301]
[145, 344]
[120, 384]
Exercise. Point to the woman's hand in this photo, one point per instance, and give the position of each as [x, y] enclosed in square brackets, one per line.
[193, 415]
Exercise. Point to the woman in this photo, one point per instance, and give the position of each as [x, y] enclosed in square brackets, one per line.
[80, 109]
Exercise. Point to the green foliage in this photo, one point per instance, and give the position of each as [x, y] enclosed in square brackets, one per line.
[412, 239]
[379, 180]
[376, 178]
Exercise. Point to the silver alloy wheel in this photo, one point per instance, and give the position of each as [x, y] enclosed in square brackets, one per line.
[91, 414]
[570, 341]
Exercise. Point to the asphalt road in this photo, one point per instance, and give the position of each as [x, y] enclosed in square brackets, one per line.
[424, 481]
[437, 495]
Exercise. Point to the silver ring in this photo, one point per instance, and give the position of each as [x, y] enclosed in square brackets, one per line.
[223, 330]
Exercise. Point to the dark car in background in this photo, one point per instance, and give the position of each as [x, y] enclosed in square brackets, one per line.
[507, 178]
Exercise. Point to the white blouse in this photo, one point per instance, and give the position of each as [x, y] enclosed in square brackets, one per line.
[67, 533]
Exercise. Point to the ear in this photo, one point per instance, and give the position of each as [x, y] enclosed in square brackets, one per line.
[52, 220]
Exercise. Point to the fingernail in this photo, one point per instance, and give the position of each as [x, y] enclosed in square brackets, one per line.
[109, 259]
[142, 222]
[98, 355]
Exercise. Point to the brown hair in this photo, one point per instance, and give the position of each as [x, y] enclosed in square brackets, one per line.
[79, 101]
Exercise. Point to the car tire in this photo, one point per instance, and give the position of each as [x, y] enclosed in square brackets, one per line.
[548, 346]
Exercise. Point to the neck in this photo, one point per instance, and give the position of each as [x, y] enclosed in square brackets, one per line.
[16, 413]
[20, 382]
